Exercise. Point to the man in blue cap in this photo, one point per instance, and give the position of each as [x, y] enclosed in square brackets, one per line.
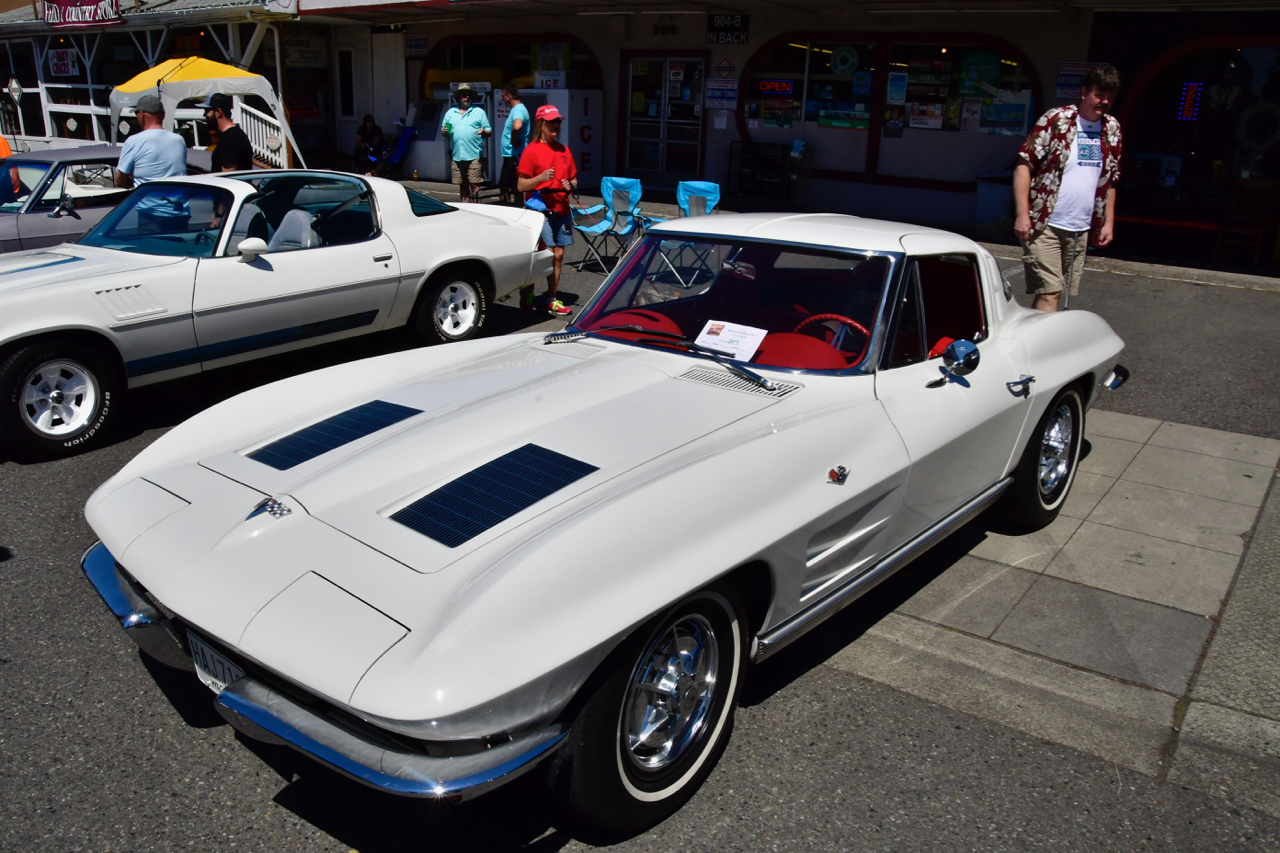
[233, 152]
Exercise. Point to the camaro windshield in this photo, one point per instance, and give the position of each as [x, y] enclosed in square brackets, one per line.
[165, 219]
[766, 304]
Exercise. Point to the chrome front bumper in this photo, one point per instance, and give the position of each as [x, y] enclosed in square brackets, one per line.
[261, 712]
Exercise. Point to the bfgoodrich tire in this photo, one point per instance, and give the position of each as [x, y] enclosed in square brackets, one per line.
[1048, 465]
[452, 307]
[654, 727]
[59, 398]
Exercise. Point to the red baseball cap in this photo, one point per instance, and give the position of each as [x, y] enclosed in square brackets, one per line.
[546, 112]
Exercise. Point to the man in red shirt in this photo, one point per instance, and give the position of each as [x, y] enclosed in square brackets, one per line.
[547, 170]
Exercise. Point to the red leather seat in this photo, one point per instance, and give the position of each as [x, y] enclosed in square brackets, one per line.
[788, 349]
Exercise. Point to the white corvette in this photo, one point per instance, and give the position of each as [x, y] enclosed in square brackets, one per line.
[191, 274]
[434, 569]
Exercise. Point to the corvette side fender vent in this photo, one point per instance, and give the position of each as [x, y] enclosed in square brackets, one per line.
[329, 434]
[733, 382]
[490, 494]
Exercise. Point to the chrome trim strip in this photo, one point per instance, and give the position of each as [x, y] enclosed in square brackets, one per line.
[146, 626]
[811, 617]
[257, 710]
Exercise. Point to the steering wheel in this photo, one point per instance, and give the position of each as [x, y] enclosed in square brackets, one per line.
[843, 320]
[202, 238]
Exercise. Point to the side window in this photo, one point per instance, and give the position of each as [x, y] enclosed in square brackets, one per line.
[340, 210]
[906, 341]
[92, 185]
[52, 192]
[951, 296]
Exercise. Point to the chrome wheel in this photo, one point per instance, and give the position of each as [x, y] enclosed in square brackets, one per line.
[671, 694]
[1056, 449]
[457, 309]
[59, 398]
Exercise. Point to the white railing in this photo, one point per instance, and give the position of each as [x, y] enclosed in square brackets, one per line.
[265, 135]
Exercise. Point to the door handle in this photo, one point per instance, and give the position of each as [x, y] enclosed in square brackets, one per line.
[377, 259]
[1020, 387]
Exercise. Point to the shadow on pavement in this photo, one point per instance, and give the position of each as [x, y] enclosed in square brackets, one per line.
[188, 696]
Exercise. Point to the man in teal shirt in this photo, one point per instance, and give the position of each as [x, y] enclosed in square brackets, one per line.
[466, 127]
[515, 136]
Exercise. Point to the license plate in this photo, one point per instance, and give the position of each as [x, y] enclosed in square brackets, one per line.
[214, 670]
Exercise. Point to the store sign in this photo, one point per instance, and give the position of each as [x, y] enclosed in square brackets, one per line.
[301, 52]
[724, 68]
[81, 13]
[776, 87]
[64, 63]
[416, 46]
[728, 29]
[1071, 78]
[721, 94]
[550, 79]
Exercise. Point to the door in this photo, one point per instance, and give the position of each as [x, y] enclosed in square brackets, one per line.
[960, 435]
[93, 194]
[389, 94]
[329, 272]
[664, 131]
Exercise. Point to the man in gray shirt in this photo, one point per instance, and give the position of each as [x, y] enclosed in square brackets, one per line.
[150, 155]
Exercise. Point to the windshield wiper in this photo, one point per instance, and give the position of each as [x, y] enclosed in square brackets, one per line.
[561, 337]
[715, 355]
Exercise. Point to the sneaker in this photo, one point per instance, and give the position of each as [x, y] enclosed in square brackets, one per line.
[526, 299]
[556, 308]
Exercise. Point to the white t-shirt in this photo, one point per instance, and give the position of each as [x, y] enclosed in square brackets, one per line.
[1074, 210]
[152, 155]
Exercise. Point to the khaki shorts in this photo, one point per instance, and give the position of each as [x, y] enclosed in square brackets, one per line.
[469, 168]
[1046, 256]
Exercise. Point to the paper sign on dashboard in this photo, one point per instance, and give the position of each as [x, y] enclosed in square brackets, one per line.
[737, 342]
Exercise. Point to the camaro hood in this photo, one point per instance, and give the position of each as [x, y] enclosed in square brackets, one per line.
[479, 414]
[70, 262]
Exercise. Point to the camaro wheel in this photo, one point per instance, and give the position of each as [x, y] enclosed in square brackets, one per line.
[59, 398]
[452, 308]
[656, 724]
[1048, 465]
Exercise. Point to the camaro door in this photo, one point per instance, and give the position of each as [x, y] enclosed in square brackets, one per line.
[961, 433]
[90, 193]
[328, 272]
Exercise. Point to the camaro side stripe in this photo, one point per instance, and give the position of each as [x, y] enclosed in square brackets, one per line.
[41, 266]
[239, 346]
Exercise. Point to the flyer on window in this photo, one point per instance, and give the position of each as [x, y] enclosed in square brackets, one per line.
[736, 342]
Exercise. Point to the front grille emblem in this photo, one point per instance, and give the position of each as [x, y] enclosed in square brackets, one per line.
[838, 475]
[269, 505]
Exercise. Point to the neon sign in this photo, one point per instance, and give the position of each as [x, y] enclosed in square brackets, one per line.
[1189, 104]
[777, 87]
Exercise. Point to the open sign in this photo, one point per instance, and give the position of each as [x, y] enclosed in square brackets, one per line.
[777, 87]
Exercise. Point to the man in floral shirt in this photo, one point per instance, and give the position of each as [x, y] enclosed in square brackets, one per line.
[1064, 188]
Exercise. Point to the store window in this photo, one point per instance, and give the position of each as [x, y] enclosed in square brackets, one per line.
[525, 60]
[839, 93]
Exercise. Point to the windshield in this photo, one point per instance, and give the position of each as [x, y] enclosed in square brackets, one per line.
[23, 177]
[165, 219]
[766, 304]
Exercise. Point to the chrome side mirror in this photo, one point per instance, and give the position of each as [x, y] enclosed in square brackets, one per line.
[66, 204]
[250, 248]
[961, 359]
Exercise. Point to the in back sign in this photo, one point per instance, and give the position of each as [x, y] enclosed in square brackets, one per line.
[728, 29]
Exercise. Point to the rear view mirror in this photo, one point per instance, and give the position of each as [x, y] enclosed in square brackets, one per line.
[250, 248]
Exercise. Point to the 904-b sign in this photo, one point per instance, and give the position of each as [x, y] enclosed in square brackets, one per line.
[728, 29]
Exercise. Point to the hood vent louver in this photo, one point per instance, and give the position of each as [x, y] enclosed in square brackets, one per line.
[329, 434]
[490, 494]
[733, 382]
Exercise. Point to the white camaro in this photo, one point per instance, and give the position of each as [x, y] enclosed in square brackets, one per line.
[433, 569]
[191, 274]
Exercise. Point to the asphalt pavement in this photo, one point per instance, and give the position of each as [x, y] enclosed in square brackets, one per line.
[834, 748]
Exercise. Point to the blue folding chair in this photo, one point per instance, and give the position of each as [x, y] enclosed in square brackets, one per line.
[621, 222]
[697, 198]
[393, 161]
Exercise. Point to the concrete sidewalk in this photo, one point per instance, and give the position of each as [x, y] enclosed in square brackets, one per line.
[1092, 632]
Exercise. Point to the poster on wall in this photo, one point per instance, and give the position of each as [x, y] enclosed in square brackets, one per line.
[1007, 114]
[64, 63]
[416, 46]
[721, 94]
[61, 14]
[893, 122]
[862, 83]
[300, 52]
[552, 56]
[1071, 77]
[980, 73]
[925, 116]
[897, 91]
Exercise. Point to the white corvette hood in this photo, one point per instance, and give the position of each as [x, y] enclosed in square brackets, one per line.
[70, 262]
[570, 411]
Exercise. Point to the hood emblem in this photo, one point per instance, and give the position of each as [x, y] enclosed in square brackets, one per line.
[838, 475]
[269, 505]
